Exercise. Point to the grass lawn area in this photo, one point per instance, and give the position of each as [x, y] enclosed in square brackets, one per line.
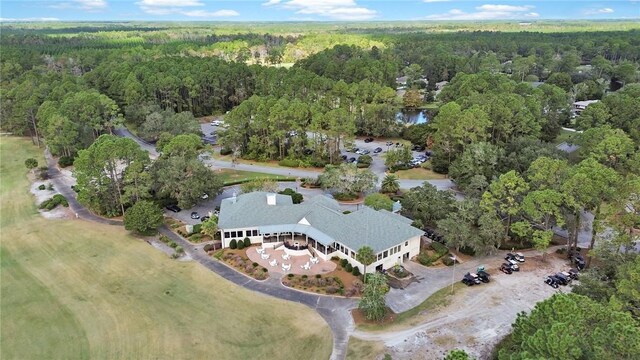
[565, 135]
[419, 174]
[416, 315]
[230, 175]
[361, 349]
[73, 289]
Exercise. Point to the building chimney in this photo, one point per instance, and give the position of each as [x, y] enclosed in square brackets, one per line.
[271, 199]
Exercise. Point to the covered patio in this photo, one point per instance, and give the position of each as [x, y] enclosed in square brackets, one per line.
[276, 260]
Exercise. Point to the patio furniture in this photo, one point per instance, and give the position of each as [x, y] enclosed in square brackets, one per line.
[273, 262]
[314, 260]
[306, 266]
[264, 256]
[286, 256]
[286, 267]
[260, 250]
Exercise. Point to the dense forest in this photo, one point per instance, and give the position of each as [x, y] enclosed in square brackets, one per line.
[497, 103]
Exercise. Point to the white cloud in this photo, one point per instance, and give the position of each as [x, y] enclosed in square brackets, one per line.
[170, 3]
[29, 19]
[434, 1]
[202, 13]
[271, 2]
[87, 5]
[488, 12]
[598, 11]
[333, 9]
[176, 7]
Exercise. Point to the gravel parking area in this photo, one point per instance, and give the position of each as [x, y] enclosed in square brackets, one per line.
[477, 317]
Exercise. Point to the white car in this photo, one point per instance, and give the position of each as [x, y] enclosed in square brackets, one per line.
[216, 123]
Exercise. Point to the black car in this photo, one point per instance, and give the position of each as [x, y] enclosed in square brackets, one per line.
[377, 150]
[517, 257]
[578, 260]
[561, 279]
[195, 215]
[573, 273]
[506, 268]
[551, 282]
[483, 276]
[344, 157]
[352, 160]
[470, 279]
[428, 153]
[368, 140]
[389, 143]
[204, 218]
[307, 151]
[418, 148]
[174, 208]
[354, 149]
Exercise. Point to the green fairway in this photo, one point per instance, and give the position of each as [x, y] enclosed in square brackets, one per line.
[73, 289]
[230, 177]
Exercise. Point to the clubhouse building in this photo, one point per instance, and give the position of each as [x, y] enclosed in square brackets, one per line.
[318, 227]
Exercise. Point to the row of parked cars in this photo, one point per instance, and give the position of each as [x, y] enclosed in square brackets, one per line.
[476, 278]
[561, 278]
[511, 263]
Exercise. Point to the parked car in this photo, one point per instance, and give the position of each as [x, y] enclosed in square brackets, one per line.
[418, 148]
[368, 140]
[506, 268]
[195, 215]
[364, 152]
[561, 279]
[204, 218]
[359, 152]
[216, 123]
[428, 153]
[174, 208]
[470, 279]
[389, 143]
[514, 265]
[343, 157]
[517, 257]
[354, 149]
[578, 260]
[573, 273]
[307, 151]
[377, 150]
[352, 160]
[483, 276]
[551, 282]
[205, 196]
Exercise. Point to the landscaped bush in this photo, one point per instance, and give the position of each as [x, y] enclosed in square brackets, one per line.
[247, 242]
[439, 248]
[425, 259]
[56, 200]
[335, 258]
[31, 163]
[467, 250]
[349, 267]
[365, 159]
[345, 196]
[179, 249]
[233, 244]
[304, 276]
[255, 264]
[356, 271]
[42, 187]
[346, 212]
[318, 276]
[344, 262]
[289, 276]
[43, 173]
[296, 197]
[208, 247]
[331, 289]
[197, 228]
[318, 163]
[240, 245]
[65, 161]
[195, 237]
[447, 260]
[225, 151]
[289, 162]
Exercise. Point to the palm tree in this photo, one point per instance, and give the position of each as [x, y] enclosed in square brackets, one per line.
[390, 184]
[366, 257]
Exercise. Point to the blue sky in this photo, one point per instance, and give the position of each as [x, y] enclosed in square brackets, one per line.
[317, 10]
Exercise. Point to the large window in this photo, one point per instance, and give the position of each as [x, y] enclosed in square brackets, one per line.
[386, 253]
[254, 233]
[234, 234]
[227, 234]
[240, 233]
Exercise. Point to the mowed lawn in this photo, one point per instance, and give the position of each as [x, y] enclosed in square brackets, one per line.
[73, 289]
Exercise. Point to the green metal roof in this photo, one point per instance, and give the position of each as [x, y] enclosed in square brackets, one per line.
[365, 227]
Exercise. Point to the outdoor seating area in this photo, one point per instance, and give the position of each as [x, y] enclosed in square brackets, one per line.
[278, 261]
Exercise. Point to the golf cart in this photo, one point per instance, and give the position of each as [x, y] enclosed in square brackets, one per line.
[470, 279]
[551, 282]
[482, 274]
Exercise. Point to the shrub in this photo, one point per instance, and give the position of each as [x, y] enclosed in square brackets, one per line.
[31, 163]
[296, 197]
[344, 262]
[208, 247]
[240, 245]
[65, 161]
[331, 289]
[304, 276]
[233, 244]
[365, 159]
[467, 250]
[175, 255]
[264, 270]
[318, 163]
[289, 276]
[195, 238]
[425, 259]
[179, 249]
[356, 271]
[60, 200]
[318, 276]
[346, 212]
[50, 186]
[447, 261]
[427, 165]
[247, 242]
[173, 244]
[362, 166]
[289, 163]
[255, 264]
[349, 267]
[345, 196]
[43, 173]
[335, 258]
[51, 203]
[42, 187]
[225, 151]
[197, 228]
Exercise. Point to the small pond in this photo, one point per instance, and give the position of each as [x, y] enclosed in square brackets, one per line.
[412, 116]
